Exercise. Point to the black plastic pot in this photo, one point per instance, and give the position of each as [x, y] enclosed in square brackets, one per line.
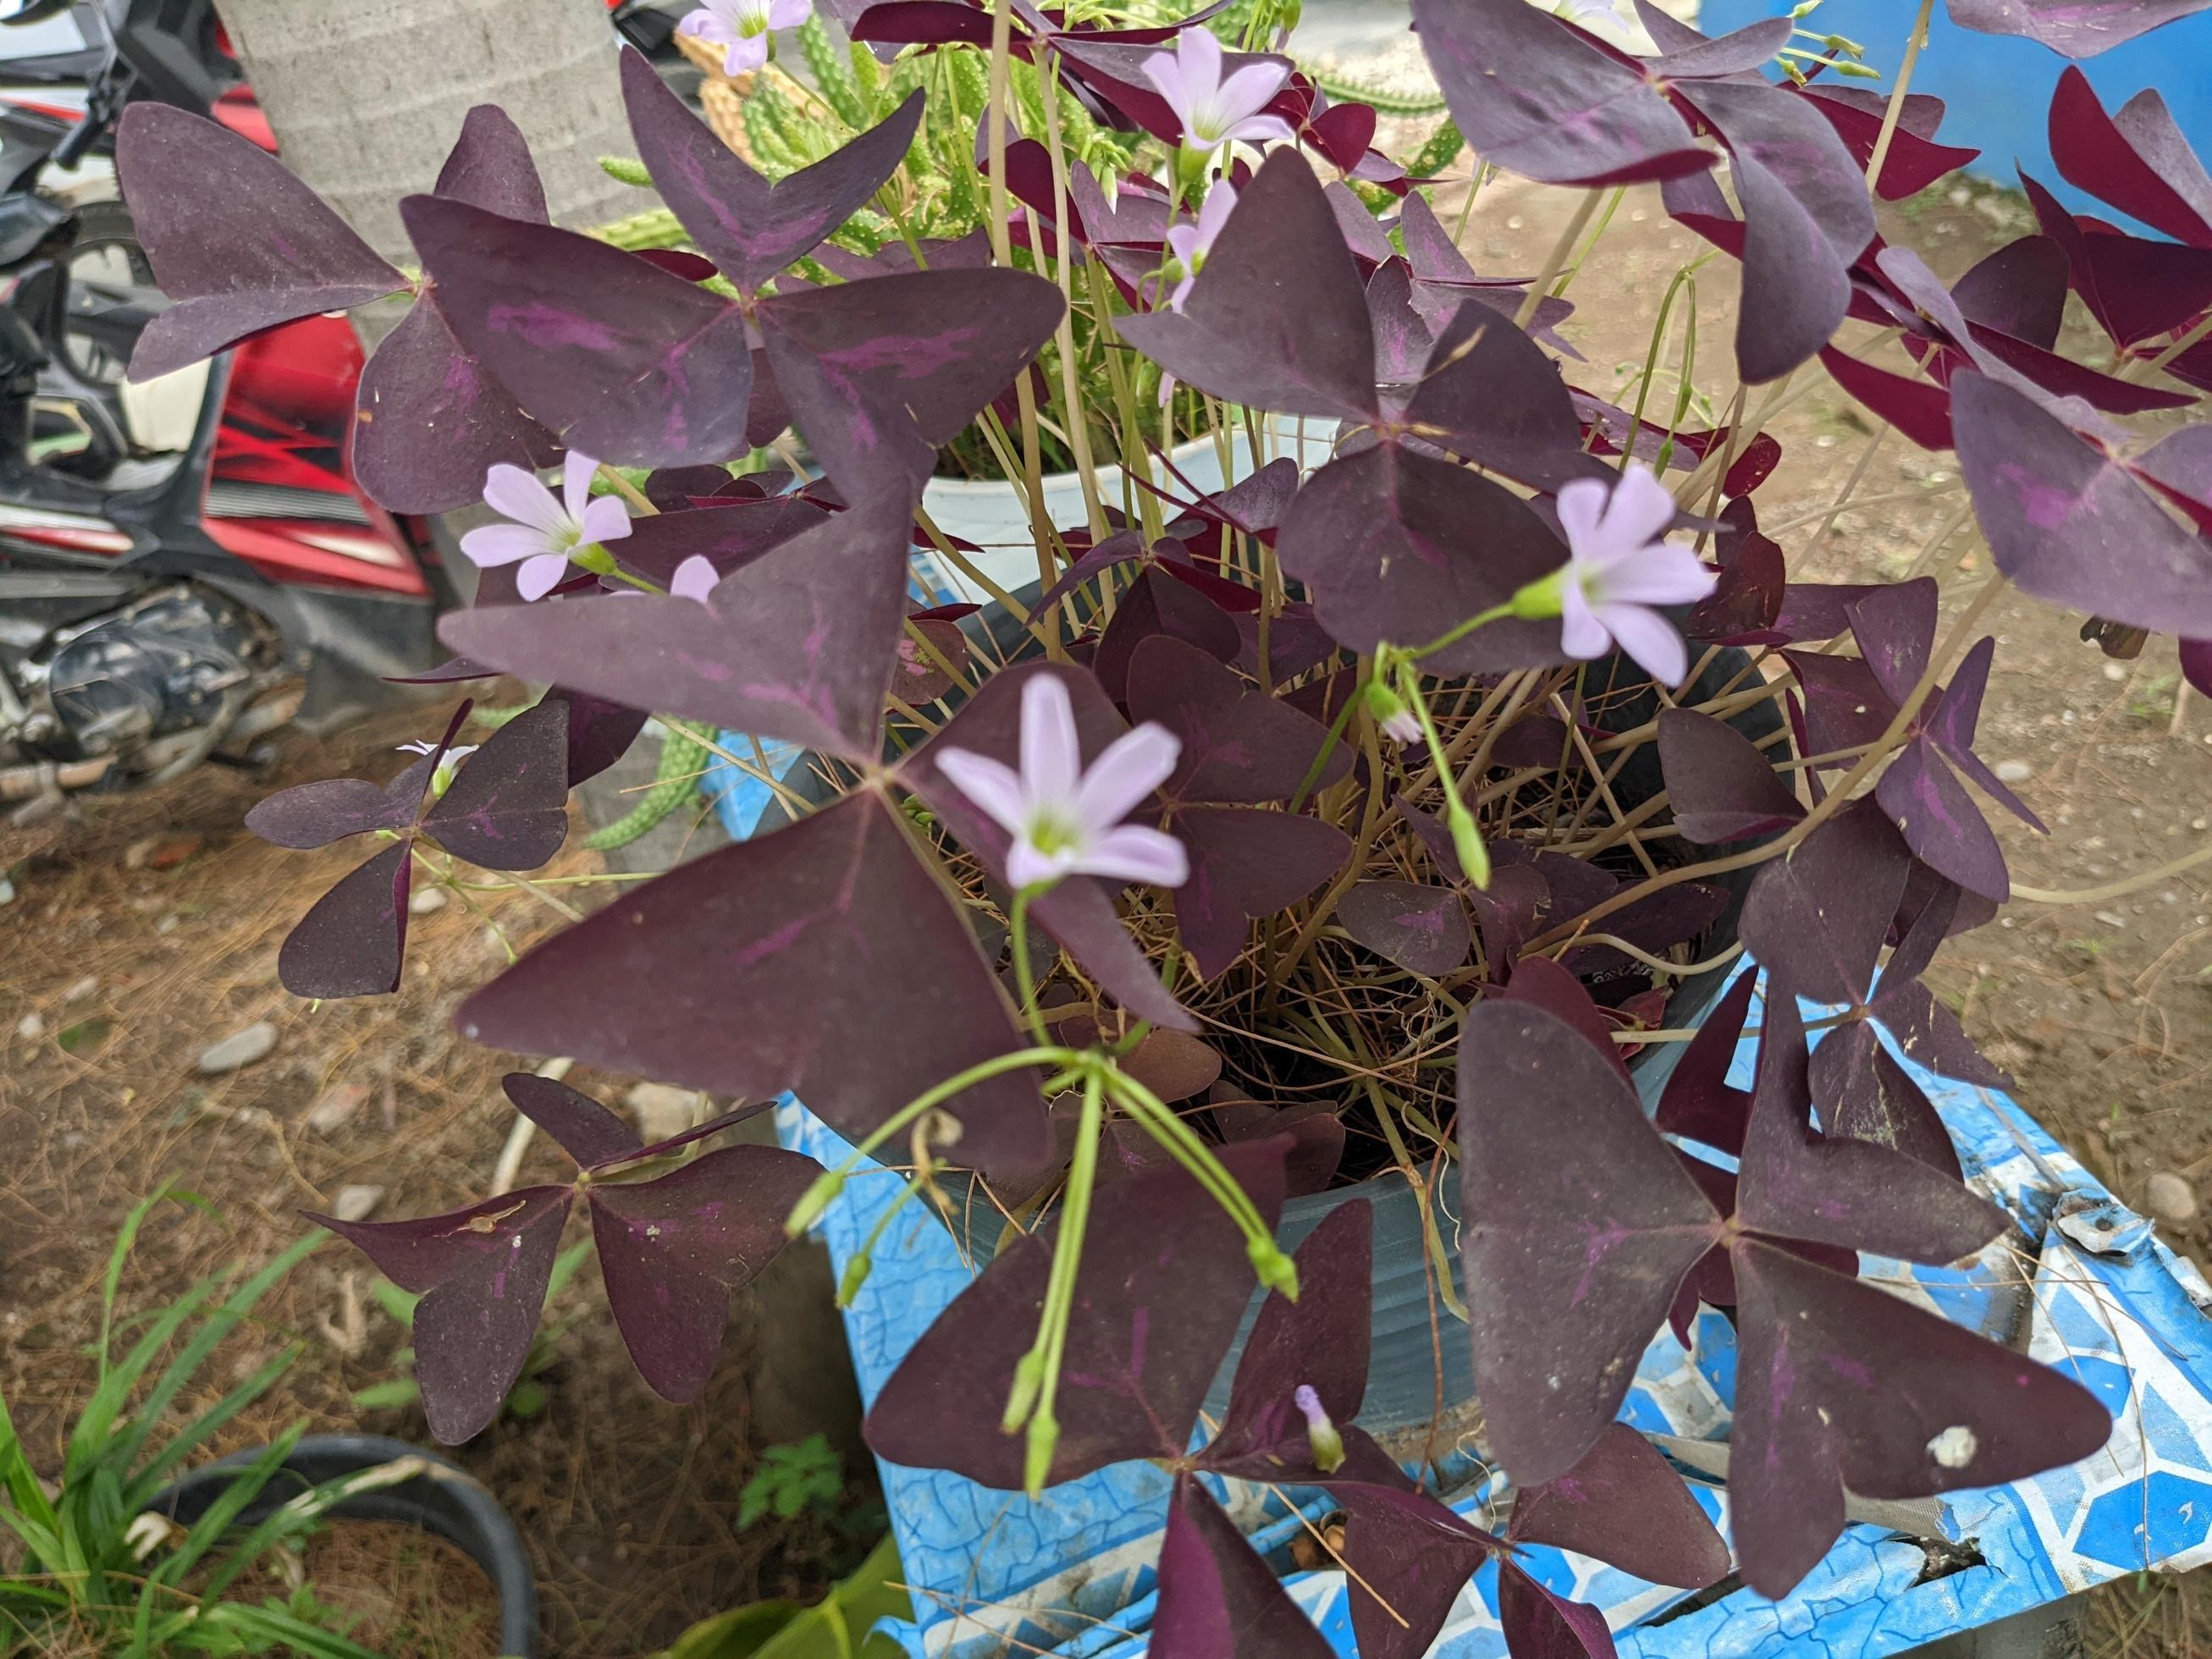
[1409, 1315]
[448, 1501]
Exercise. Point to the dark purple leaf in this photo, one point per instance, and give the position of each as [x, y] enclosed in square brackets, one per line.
[351, 943]
[1571, 1198]
[1746, 605]
[1915, 161]
[1245, 863]
[310, 815]
[600, 732]
[1840, 1384]
[2070, 26]
[1277, 319]
[2196, 663]
[1795, 1183]
[2094, 154]
[1921, 410]
[1318, 1342]
[1402, 339]
[1413, 1554]
[482, 1273]
[576, 1123]
[1158, 604]
[1163, 1284]
[1490, 394]
[1722, 786]
[1316, 1135]
[2180, 465]
[1818, 917]
[797, 644]
[1940, 823]
[430, 421]
[1805, 216]
[2136, 287]
[1536, 97]
[729, 535]
[1367, 237]
[623, 362]
[1080, 912]
[1217, 1600]
[2068, 524]
[750, 228]
[507, 807]
[1625, 1505]
[1697, 1102]
[673, 1250]
[2018, 290]
[1422, 929]
[1539, 1624]
[1895, 627]
[1862, 1093]
[1239, 744]
[489, 167]
[1396, 546]
[236, 242]
[878, 373]
[815, 931]
[1540, 982]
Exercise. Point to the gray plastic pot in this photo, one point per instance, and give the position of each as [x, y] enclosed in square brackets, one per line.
[449, 1502]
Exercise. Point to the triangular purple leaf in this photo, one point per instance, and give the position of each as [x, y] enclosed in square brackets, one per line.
[236, 242]
[1421, 928]
[1239, 744]
[1246, 863]
[1539, 1624]
[354, 939]
[1624, 1504]
[673, 1250]
[507, 807]
[1163, 1284]
[1571, 1197]
[1416, 1557]
[1218, 1600]
[1722, 786]
[815, 931]
[623, 362]
[1699, 1103]
[576, 1123]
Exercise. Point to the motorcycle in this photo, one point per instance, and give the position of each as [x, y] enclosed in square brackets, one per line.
[186, 565]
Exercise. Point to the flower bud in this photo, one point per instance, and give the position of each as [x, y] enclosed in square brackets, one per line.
[1545, 596]
[1396, 720]
[1321, 1434]
[1276, 1271]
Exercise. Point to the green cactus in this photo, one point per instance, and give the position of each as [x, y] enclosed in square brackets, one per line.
[1386, 103]
[623, 170]
[1440, 152]
[675, 782]
[833, 74]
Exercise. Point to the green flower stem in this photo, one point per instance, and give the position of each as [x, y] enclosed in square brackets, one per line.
[595, 558]
[827, 1185]
[1036, 1378]
[863, 1260]
[1178, 1140]
[1328, 744]
[1025, 982]
[1467, 837]
[1454, 635]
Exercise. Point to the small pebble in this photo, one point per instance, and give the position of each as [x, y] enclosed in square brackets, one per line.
[84, 988]
[340, 1104]
[2170, 1198]
[2111, 918]
[355, 1203]
[661, 1110]
[239, 1048]
[2013, 771]
[427, 902]
[31, 1027]
[2116, 672]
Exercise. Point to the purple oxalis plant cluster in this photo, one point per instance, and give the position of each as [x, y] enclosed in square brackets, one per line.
[1320, 765]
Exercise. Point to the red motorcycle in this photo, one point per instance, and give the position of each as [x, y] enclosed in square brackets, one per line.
[189, 564]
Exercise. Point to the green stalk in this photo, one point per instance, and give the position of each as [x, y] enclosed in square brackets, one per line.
[1036, 1378]
[1181, 1143]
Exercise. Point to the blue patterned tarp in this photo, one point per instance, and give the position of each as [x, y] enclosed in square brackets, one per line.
[1070, 1574]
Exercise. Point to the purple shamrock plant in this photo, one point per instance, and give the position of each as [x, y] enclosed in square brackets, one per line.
[1363, 814]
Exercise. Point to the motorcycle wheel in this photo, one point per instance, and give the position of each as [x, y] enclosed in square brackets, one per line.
[107, 251]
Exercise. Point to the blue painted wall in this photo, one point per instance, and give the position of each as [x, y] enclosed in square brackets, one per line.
[1997, 88]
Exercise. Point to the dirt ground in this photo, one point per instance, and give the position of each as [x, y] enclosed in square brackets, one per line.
[629, 1504]
[2102, 1008]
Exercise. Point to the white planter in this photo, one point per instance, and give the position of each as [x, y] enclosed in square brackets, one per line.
[991, 515]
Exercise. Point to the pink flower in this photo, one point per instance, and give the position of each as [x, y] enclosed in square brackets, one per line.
[1066, 821]
[545, 530]
[1214, 111]
[1190, 243]
[1618, 568]
[741, 28]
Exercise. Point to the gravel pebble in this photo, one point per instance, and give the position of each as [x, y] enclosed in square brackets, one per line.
[31, 1027]
[425, 901]
[2170, 1198]
[354, 1203]
[2013, 771]
[239, 1048]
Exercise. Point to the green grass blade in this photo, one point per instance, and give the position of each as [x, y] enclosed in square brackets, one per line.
[148, 1478]
[20, 1480]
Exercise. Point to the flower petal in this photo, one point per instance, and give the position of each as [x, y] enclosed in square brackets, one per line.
[1052, 754]
[1183, 241]
[695, 579]
[1639, 511]
[1197, 54]
[1246, 93]
[1581, 504]
[576, 483]
[605, 519]
[1133, 766]
[789, 14]
[1134, 853]
[494, 545]
[1028, 867]
[1660, 574]
[747, 53]
[1649, 638]
[514, 494]
[1213, 213]
[990, 784]
[1581, 635]
[709, 25]
[537, 577]
[1165, 74]
[1262, 130]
